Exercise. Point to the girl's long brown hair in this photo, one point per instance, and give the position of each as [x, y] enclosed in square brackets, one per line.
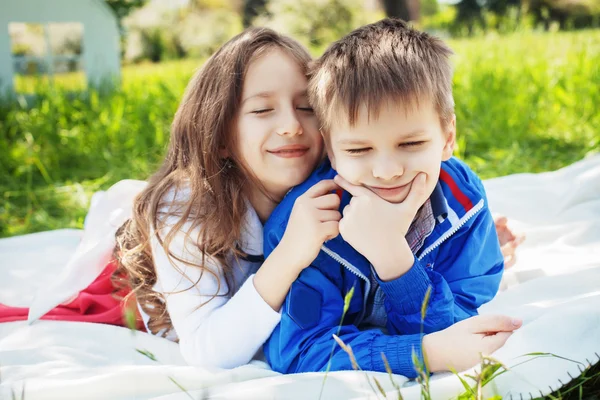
[213, 204]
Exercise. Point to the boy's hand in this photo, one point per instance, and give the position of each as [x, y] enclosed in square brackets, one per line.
[377, 228]
[460, 346]
[313, 221]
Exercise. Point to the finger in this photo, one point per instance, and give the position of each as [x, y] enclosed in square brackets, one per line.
[321, 188]
[327, 202]
[342, 226]
[491, 343]
[519, 239]
[354, 190]
[509, 261]
[500, 221]
[417, 194]
[346, 210]
[331, 229]
[329, 215]
[508, 249]
[494, 323]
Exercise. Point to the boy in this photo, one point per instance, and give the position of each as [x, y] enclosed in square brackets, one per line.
[414, 218]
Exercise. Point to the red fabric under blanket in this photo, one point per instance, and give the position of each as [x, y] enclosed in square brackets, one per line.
[96, 303]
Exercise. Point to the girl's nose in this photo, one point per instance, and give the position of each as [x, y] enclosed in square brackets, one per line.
[290, 125]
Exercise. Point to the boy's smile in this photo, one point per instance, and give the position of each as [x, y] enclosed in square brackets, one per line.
[397, 193]
[386, 152]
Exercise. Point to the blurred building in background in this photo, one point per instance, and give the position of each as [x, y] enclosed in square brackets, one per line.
[58, 37]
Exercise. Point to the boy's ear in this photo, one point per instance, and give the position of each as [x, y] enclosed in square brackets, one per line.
[450, 139]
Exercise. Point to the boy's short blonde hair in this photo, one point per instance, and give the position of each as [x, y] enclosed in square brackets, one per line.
[380, 62]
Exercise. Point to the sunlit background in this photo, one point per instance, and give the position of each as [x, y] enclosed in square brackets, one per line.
[526, 85]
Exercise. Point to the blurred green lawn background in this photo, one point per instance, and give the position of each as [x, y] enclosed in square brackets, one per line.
[525, 102]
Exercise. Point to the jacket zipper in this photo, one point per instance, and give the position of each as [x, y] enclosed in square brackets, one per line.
[442, 239]
[355, 271]
[453, 230]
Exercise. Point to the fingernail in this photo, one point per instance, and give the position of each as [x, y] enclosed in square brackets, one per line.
[516, 322]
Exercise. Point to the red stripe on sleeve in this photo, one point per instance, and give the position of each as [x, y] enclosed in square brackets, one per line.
[460, 196]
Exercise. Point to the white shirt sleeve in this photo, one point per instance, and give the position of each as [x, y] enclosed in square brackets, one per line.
[225, 332]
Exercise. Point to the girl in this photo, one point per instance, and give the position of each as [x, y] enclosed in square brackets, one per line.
[243, 135]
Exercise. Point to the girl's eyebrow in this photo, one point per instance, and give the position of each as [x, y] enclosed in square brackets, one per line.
[259, 94]
[269, 93]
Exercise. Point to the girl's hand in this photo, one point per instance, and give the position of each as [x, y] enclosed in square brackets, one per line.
[509, 241]
[314, 220]
[460, 345]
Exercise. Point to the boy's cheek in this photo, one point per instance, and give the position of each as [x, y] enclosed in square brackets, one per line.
[331, 157]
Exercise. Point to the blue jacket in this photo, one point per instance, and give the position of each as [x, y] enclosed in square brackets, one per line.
[461, 260]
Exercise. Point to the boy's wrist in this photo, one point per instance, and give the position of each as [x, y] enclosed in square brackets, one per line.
[429, 354]
[393, 264]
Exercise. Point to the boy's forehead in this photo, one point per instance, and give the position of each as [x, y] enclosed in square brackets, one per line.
[340, 117]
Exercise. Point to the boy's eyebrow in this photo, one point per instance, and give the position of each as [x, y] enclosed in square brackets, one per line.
[409, 135]
[352, 141]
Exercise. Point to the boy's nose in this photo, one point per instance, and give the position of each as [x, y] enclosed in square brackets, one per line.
[387, 169]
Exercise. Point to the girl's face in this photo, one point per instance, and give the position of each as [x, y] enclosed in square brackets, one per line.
[277, 132]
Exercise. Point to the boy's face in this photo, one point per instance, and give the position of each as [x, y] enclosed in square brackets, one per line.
[387, 153]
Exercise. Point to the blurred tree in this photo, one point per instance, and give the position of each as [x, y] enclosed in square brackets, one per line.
[122, 8]
[201, 5]
[316, 23]
[429, 7]
[408, 10]
[568, 13]
[501, 6]
[469, 12]
[252, 9]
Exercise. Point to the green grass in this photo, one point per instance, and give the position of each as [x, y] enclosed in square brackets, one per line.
[525, 103]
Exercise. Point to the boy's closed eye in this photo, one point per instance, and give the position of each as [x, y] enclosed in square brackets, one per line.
[406, 145]
[412, 144]
[358, 151]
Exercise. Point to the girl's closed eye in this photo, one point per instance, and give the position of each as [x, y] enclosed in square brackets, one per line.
[306, 108]
[261, 111]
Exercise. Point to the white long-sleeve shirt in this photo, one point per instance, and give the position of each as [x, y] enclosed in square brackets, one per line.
[224, 332]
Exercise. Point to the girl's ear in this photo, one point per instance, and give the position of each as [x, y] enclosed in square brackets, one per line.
[223, 152]
[450, 139]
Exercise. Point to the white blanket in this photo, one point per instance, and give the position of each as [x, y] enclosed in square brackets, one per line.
[554, 287]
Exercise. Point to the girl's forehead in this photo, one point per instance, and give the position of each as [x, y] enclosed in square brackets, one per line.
[272, 72]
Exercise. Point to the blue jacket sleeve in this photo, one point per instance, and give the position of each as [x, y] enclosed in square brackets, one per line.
[465, 274]
[311, 314]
